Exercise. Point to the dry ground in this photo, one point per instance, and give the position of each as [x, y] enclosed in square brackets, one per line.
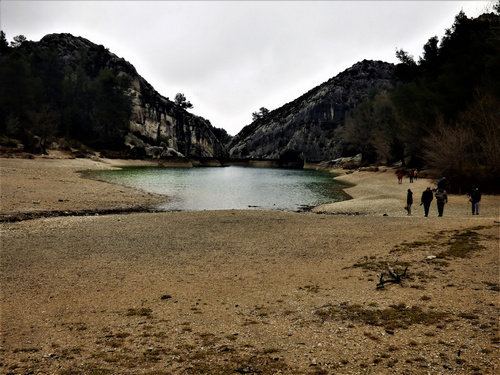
[257, 292]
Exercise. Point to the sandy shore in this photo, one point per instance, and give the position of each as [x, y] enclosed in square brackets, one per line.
[242, 291]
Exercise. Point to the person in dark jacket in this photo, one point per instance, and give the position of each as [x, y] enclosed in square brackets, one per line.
[400, 177]
[426, 200]
[441, 199]
[409, 201]
[442, 183]
[474, 198]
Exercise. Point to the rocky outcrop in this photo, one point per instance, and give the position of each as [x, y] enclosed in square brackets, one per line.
[305, 128]
[158, 127]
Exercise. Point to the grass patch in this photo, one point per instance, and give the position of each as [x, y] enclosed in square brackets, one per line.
[396, 316]
[310, 288]
[208, 338]
[371, 336]
[26, 350]
[417, 286]
[271, 350]
[469, 316]
[462, 245]
[424, 275]
[492, 286]
[114, 343]
[249, 322]
[235, 363]
[408, 246]
[143, 311]
[371, 265]
[392, 363]
[413, 343]
[88, 369]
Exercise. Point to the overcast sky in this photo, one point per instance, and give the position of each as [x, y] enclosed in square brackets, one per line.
[231, 58]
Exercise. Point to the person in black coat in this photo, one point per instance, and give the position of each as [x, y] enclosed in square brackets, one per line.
[409, 201]
[441, 199]
[442, 183]
[475, 197]
[426, 200]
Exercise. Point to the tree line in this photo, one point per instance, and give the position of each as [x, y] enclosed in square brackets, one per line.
[444, 113]
[77, 99]
[41, 98]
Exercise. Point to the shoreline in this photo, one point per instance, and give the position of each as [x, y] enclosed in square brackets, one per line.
[25, 181]
[38, 210]
[198, 292]
[55, 185]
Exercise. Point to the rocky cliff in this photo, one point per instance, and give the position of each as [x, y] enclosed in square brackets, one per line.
[305, 128]
[158, 126]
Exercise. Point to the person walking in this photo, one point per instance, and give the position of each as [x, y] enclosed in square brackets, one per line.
[475, 198]
[426, 200]
[400, 177]
[409, 201]
[441, 199]
[442, 183]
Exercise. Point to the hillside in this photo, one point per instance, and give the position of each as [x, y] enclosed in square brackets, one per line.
[439, 112]
[68, 87]
[305, 128]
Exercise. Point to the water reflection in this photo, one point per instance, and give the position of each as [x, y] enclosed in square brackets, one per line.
[231, 187]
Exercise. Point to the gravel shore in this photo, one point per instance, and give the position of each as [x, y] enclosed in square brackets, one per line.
[256, 292]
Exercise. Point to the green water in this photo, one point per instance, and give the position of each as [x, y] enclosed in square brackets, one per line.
[231, 187]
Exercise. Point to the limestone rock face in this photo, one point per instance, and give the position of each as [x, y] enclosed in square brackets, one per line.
[155, 121]
[305, 128]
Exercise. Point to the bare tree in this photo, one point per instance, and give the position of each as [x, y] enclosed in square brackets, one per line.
[448, 148]
[484, 118]
[45, 122]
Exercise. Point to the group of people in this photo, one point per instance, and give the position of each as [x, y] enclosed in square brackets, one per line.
[441, 198]
[428, 196]
[412, 175]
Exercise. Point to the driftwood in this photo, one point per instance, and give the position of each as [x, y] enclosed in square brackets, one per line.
[395, 277]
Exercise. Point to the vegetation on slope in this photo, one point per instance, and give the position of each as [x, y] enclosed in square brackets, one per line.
[445, 111]
[442, 114]
[70, 89]
[41, 97]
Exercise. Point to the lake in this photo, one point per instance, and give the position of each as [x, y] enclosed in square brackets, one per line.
[194, 189]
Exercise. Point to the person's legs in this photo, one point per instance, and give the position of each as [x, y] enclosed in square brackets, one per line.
[477, 207]
[440, 208]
